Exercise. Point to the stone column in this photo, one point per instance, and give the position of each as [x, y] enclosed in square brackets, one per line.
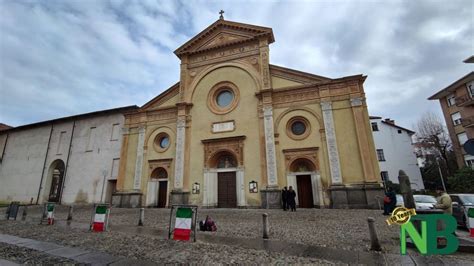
[139, 160]
[338, 190]
[178, 196]
[179, 162]
[270, 146]
[334, 165]
[271, 194]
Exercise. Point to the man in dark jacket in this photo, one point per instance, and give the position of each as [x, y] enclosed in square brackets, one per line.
[390, 201]
[284, 198]
[291, 199]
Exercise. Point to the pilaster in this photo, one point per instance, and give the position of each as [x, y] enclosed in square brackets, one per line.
[367, 152]
[179, 160]
[270, 146]
[334, 164]
[139, 160]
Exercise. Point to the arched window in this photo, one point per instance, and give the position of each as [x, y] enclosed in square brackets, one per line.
[226, 161]
[302, 165]
[159, 173]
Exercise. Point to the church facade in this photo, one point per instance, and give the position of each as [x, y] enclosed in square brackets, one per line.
[236, 129]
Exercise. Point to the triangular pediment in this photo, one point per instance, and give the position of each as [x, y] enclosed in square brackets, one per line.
[168, 98]
[224, 33]
[223, 38]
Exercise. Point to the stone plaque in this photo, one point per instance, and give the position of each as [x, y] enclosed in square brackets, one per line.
[223, 127]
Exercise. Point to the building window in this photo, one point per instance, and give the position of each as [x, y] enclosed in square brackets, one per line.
[399, 131]
[375, 126]
[92, 139]
[456, 117]
[162, 142]
[115, 132]
[62, 138]
[462, 138]
[298, 128]
[115, 168]
[384, 175]
[223, 98]
[470, 88]
[451, 99]
[380, 155]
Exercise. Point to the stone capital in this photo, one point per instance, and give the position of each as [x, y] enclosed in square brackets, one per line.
[326, 106]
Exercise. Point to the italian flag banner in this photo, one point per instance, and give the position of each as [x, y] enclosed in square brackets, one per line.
[182, 226]
[99, 218]
[50, 210]
[470, 214]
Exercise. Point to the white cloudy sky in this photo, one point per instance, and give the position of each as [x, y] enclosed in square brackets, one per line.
[59, 58]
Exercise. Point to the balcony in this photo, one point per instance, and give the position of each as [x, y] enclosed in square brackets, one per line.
[464, 100]
[468, 121]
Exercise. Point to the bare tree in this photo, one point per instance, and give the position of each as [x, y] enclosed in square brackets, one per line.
[433, 135]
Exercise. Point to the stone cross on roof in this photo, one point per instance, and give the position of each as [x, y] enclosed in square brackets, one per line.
[221, 14]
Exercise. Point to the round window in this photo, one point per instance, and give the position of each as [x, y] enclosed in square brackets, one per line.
[298, 128]
[164, 142]
[225, 98]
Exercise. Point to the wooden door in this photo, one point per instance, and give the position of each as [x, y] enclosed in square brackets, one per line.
[56, 186]
[162, 193]
[226, 190]
[305, 191]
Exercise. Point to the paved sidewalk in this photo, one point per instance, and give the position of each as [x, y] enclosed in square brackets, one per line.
[299, 250]
[76, 254]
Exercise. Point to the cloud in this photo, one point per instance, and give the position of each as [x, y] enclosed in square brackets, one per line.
[59, 58]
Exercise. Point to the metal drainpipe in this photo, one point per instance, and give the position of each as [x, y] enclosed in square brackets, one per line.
[5, 147]
[67, 162]
[44, 164]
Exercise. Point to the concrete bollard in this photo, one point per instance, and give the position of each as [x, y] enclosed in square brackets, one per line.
[265, 225]
[25, 211]
[142, 217]
[374, 240]
[69, 214]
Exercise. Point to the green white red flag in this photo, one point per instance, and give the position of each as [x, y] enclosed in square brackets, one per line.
[99, 218]
[50, 210]
[182, 226]
[470, 222]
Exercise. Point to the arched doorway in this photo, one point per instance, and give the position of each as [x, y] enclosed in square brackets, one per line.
[161, 175]
[56, 175]
[304, 185]
[226, 164]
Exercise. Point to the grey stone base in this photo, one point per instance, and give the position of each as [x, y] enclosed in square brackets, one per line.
[271, 198]
[127, 199]
[355, 196]
[179, 197]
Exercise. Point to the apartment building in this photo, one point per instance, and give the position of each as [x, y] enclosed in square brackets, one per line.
[457, 103]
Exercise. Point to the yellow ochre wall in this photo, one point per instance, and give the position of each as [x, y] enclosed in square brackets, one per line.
[246, 123]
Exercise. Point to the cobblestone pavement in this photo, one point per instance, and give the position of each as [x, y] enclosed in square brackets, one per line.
[22, 255]
[339, 229]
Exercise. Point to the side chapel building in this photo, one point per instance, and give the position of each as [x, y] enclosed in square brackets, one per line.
[236, 129]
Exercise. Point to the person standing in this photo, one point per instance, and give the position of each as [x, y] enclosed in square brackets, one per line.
[389, 201]
[444, 201]
[284, 198]
[292, 199]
